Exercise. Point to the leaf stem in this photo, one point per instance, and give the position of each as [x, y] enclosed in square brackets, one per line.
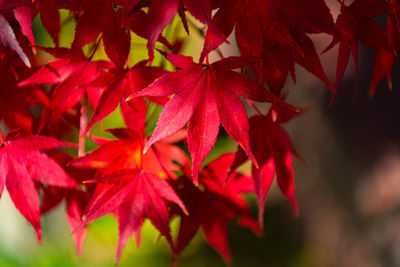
[82, 126]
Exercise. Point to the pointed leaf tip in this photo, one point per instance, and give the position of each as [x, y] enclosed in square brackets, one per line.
[8, 38]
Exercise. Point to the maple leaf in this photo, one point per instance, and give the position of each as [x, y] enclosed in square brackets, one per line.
[355, 22]
[206, 96]
[273, 150]
[134, 195]
[386, 57]
[286, 41]
[213, 204]
[132, 184]
[22, 163]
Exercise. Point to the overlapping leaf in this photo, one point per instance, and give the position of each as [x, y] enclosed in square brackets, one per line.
[15, 102]
[212, 207]
[276, 32]
[71, 78]
[116, 36]
[22, 163]
[121, 84]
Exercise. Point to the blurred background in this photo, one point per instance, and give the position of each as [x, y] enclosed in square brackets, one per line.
[348, 184]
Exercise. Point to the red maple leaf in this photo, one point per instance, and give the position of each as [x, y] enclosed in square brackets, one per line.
[132, 184]
[206, 96]
[273, 150]
[213, 204]
[355, 22]
[386, 57]
[287, 41]
[133, 195]
[22, 163]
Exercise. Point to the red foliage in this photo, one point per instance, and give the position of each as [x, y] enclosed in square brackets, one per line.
[135, 176]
